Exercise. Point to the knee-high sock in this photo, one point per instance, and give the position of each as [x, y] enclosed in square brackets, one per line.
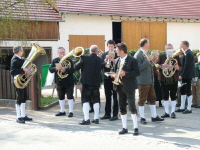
[189, 100]
[166, 106]
[141, 111]
[173, 106]
[96, 110]
[124, 121]
[23, 114]
[153, 111]
[183, 98]
[134, 118]
[71, 105]
[18, 110]
[62, 105]
[86, 109]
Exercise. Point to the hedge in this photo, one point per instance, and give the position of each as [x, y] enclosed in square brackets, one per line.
[130, 52]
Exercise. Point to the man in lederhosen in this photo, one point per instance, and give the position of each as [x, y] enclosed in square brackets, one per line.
[91, 66]
[186, 75]
[169, 84]
[63, 85]
[127, 86]
[110, 93]
[21, 94]
[146, 82]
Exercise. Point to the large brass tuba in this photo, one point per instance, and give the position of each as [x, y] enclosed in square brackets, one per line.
[169, 72]
[77, 52]
[22, 80]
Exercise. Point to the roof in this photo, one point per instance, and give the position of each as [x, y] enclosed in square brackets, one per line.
[38, 10]
[144, 8]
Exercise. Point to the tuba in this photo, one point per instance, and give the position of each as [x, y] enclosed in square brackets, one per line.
[169, 72]
[22, 80]
[77, 52]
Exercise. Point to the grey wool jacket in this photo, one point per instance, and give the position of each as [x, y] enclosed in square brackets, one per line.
[146, 76]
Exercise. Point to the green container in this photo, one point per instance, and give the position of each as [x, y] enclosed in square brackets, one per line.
[45, 69]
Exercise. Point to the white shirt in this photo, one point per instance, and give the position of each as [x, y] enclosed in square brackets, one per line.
[144, 52]
[18, 57]
[186, 50]
[122, 60]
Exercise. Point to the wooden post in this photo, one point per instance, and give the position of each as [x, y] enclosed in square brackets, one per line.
[1, 84]
[34, 93]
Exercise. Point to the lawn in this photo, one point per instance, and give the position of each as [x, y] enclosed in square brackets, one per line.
[47, 100]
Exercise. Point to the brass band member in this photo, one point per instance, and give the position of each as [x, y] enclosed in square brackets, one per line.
[65, 85]
[146, 82]
[126, 89]
[91, 66]
[108, 85]
[187, 73]
[169, 85]
[21, 94]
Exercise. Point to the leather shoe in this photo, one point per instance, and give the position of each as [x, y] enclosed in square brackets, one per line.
[193, 105]
[95, 121]
[91, 111]
[143, 121]
[26, 118]
[165, 115]
[70, 114]
[60, 114]
[113, 118]
[136, 131]
[20, 120]
[156, 119]
[105, 117]
[187, 111]
[180, 110]
[123, 131]
[87, 122]
[173, 115]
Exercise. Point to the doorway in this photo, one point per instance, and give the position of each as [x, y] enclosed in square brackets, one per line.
[116, 30]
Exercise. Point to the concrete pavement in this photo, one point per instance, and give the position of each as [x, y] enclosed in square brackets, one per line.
[180, 133]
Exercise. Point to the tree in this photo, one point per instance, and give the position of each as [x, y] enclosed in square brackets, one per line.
[15, 18]
[15, 22]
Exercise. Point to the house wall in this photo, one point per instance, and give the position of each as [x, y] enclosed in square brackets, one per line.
[102, 25]
[75, 25]
[177, 32]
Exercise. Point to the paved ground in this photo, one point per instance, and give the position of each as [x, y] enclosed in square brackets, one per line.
[48, 132]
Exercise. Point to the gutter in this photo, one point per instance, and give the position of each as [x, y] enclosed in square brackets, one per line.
[37, 20]
[127, 15]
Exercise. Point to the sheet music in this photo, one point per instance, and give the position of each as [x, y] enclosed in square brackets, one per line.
[169, 52]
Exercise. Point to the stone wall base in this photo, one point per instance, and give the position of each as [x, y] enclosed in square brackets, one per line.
[11, 103]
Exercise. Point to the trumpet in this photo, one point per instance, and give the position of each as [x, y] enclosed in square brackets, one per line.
[100, 52]
[150, 62]
[117, 80]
